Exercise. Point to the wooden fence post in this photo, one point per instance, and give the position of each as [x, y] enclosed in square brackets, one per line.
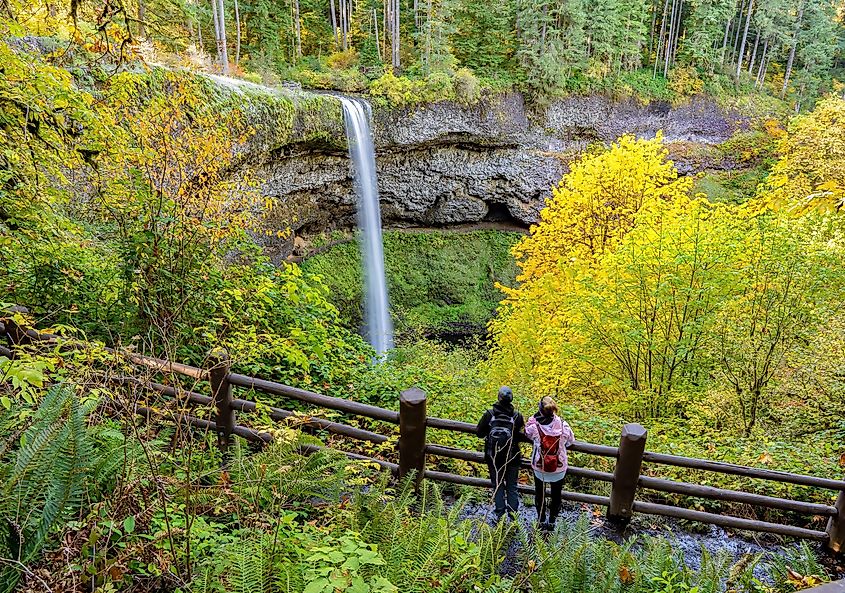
[836, 526]
[627, 473]
[221, 395]
[412, 419]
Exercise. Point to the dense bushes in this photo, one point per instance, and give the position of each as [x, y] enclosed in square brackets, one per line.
[396, 91]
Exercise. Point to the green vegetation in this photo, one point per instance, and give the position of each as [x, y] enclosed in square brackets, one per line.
[123, 223]
[731, 187]
[437, 281]
[451, 49]
[140, 514]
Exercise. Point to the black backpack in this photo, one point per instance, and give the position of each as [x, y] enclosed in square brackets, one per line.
[500, 439]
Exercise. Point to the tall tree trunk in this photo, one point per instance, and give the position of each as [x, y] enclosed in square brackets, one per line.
[142, 17]
[678, 23]
[297, 28]
[791, 58]
[754, 53]
[238, 27]
[667, 50]
[334, 23]
[654, 5]
[375, 28]
[725, 40]
[429, 33]
[223, 50]
[343, 44]
[738, 27]
[744, 39]
[660, 38]
[216, 20]
[762, 69]
[394, 40]
[199, 32]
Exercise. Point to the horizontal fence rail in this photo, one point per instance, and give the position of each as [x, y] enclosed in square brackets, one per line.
[626, 481]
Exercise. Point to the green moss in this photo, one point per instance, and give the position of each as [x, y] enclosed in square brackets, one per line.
[733, 187]
[435, 279]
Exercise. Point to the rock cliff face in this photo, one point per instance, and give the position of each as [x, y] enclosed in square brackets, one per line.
[445, 164]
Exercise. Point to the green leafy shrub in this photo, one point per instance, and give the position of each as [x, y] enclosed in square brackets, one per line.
[467, 87]
[343, 60]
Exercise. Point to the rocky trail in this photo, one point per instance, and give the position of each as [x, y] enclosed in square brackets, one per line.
[689, 543]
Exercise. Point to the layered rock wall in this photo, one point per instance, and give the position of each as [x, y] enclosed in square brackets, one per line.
[445, 164]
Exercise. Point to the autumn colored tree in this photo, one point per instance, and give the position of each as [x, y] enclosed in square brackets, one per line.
[591, 211]
[643, 315]
[810, 174]
[597, 202]
[789, 279]
[169, 193]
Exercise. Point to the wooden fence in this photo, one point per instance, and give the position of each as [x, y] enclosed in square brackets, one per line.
[627, 479]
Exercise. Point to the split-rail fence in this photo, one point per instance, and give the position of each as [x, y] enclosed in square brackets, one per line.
[414, 446]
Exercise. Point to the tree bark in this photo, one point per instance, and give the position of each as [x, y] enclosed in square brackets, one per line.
[216, 28]
[394, 40]
[142, 16]
[651, 32]
[754, 53]
[334, 23]
[343, 24]
[660, 38]
[375, 27]
[725, 41]
[761, 72]
[238, 28]
[222, 50]
[744, 39]
[791, 59]
[738, 26]
[678, 22]
[297, 28]
[667, 50]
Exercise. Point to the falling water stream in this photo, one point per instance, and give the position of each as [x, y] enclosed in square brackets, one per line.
[377, 323]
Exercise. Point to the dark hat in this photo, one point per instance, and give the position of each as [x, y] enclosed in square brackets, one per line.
[505, 394]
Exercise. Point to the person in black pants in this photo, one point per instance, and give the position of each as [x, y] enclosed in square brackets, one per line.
[551, 436]
[502, 429]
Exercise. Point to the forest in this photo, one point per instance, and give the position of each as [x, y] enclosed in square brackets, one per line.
[704, 302]
[405, 52]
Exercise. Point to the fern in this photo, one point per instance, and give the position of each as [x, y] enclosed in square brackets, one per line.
[46, 474]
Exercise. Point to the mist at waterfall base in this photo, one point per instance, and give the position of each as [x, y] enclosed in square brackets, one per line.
[377, 323]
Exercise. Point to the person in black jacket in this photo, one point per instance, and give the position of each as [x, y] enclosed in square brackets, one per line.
[502, 429]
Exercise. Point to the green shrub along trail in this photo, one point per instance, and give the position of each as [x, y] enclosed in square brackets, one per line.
[706, 307]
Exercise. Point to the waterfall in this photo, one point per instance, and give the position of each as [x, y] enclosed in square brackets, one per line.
[377, 323]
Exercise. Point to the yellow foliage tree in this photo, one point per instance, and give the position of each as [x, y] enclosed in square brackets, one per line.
[596, 204]
[810, 174]
[170, 189]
